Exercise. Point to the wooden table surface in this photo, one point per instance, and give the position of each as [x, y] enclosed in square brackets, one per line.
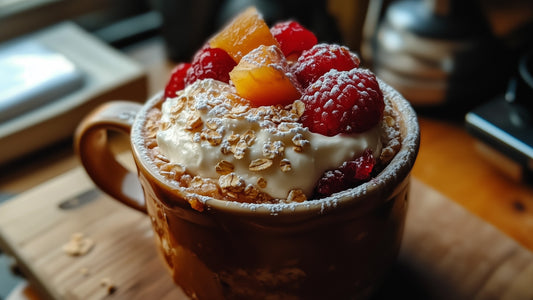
[448, 162]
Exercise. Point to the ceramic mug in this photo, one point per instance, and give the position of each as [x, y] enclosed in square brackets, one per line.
[339, 247]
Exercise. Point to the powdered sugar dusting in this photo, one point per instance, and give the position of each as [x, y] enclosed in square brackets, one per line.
[266, 142]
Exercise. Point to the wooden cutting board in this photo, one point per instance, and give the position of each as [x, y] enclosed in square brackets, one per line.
[447, 252]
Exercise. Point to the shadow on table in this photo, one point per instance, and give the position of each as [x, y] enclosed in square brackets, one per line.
[403, 281]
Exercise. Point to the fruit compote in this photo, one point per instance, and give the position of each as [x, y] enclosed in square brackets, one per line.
[271, 115]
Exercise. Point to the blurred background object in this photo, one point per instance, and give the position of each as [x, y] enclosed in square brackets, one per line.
[32, 75]
[441, 54]
[51, 79]
[504, 125]
[104, 18]
[195, 21]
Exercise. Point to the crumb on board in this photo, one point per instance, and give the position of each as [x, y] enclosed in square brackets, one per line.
[108, 285]
[84, 271]
[78, 245]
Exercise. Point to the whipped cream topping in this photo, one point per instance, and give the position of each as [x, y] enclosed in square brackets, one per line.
[211, 131]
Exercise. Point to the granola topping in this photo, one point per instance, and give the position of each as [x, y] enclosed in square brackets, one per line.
[237, 148]
[224, 167]
[260, 164]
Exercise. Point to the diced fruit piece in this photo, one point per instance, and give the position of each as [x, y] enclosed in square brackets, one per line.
[293, 38]
[262, 77]
[343, 102]
[349, 174]
[318, 60]
[360, 168]
[331, 182]
[244, 33]
[210, 63]
[177, 79]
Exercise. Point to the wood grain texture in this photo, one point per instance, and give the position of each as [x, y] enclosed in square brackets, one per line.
[447, 252]
[449, 162]
[33, 229]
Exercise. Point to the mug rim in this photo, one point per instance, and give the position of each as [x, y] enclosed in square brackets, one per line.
[384, 184]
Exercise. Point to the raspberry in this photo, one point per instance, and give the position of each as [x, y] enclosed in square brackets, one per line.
[177, 79]
[318, 60]
[210, 63]
[349, 174]
[292, 37]
[343, 102]
[360, 168]
[331, 182]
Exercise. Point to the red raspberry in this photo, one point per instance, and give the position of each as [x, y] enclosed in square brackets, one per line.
[210, 63]
[177, 79]
[343, 102]
[349, 174]
[331, 182]
[293, 38]
[318, 60]
[360, 168]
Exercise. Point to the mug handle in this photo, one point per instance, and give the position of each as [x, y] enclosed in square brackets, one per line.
[93, 149]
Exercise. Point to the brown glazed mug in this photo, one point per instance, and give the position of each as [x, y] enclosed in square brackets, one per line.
[339, 247]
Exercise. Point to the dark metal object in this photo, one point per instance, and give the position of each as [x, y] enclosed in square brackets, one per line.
[438, 53]
[505, 124]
